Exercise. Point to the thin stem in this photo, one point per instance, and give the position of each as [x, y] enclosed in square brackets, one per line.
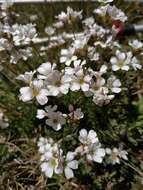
[131, 166]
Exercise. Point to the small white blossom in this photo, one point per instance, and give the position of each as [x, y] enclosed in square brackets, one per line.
[135, 64]
[67, 56]
[71, 165]
[96, 153]
[116, 14]
[45, 70]
[76, 114]
[136, 44]
[55, 120]
[90, 146]
[34, 90]
[121, 61]
[88, 138]
[102, 11]
[26, 77]
[50, 30]
[81, 81]
[69, 16]
[21, 54]
[57, 83]
[115, 155]
[114, 84]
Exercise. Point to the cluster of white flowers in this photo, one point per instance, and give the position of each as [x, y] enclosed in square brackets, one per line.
[69, 17]
[3, 120]
[23, 33]
[76, 77]
[90, 146]
[124, 61]
[54, 161]
[112, 11]
[14, 35]
[56, 119]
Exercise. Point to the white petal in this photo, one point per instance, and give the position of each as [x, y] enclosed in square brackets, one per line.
[68, 173]
[87, 78]
[116, 90]
[92, 136]
[97, 159]
[83, 133]
[115, 68]
[73, 164]
[42, 100]
[108, 151]
[49, 171]
[85, 87]
[40, 114]
[63, 59]
[26, 94]
[70, 156]
[125, 68]
[101, 152]
[113, 60]
[121, 56]
[44, 166]
[75, 86]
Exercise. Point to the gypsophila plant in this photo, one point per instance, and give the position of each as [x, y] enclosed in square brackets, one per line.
[73, 90]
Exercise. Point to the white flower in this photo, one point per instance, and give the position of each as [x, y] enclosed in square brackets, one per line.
[102, 11]
[88, 22]
[51, 157]
[23, 54]
[77, 114]
[23, 33]
[56, 120]
[34, 90]
[41, 114]
[90, 146]
[96, 153]
[57, 83]
[135, 64]
[45, 70]
[50, 30]
[102, 97]
[26, 77]
[114, 84]
[71, 165]
[70, 16]
[88, 138]
[121, 61]
[67, 56]
[80, 42]
[116, 14]
[115, 155]
[4, 44]
[136, 44]
[81, 81]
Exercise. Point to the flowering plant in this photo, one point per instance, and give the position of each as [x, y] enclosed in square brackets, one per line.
[74, 89]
